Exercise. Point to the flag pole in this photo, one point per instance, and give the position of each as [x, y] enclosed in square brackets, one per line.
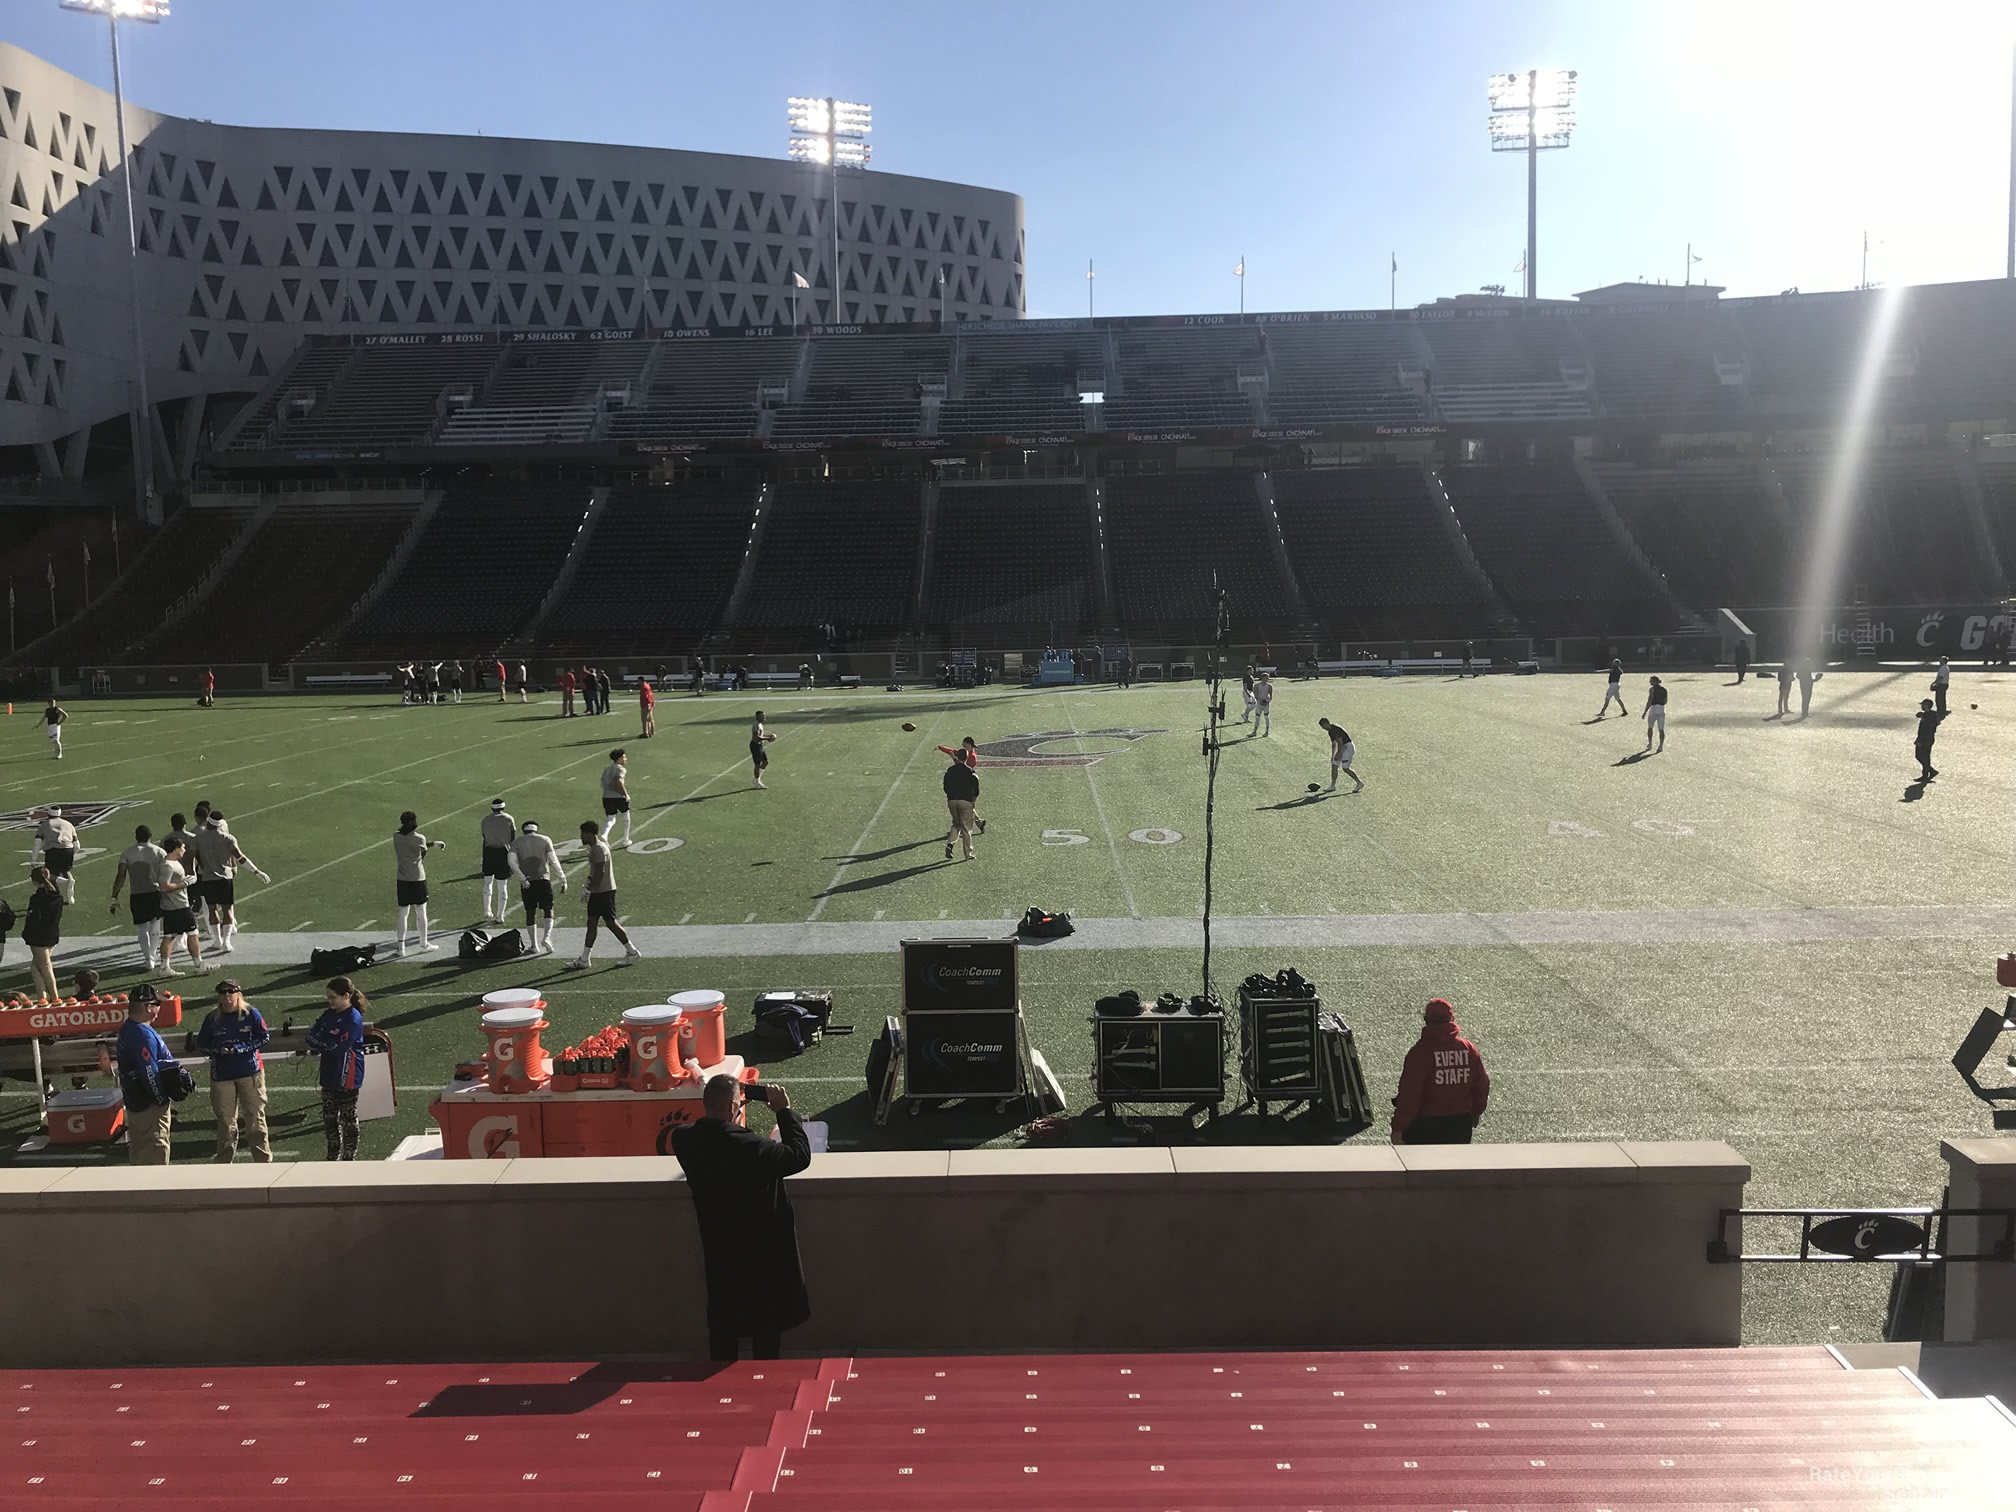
[1392, 282]
[1090, 278]
[1242, 283]
[51, 575]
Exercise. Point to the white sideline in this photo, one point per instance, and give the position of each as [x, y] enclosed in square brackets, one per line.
[1649, 926]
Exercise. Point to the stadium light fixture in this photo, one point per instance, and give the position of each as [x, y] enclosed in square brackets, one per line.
[151, 12]
[826, 133]
[1531, 112]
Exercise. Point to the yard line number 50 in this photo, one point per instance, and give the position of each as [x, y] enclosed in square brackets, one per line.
[1151, 836]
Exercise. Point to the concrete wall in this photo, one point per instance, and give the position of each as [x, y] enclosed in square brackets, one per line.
[1980, 1298]
[1581, 1245]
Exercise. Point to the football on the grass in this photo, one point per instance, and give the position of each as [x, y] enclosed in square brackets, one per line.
[1313, 786]
[909, 727]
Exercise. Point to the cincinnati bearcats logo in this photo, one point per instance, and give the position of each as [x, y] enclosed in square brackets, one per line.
[83, 815]
[1090, 747]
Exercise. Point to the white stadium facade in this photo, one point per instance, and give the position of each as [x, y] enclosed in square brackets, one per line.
[253, 239]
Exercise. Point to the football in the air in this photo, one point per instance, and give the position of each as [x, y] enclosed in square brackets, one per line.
[909, 728]
[1973, 706]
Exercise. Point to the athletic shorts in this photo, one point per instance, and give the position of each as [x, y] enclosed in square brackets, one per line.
[55, 732]
[146, 907]
[1657, 715]
[496, 861]
[537, 893]
[60, 860]
[412, 894]
[177, 922]
[758, 755]
[218, 892]
[615, 806]
[1346, 756]
[602, 906]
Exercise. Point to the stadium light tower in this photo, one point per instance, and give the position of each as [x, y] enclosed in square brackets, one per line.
[151, 12]
[1532, 112]
[828, 132]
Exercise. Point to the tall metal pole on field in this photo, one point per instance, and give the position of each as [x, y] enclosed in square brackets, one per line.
[829, 131]
[1532, 185]
[151, 11]
[1214, 715]
[1531, 112]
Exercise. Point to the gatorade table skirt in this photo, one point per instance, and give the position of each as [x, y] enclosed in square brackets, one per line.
[479, 1124]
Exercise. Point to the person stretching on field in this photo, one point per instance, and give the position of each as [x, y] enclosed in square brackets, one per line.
[1342, 754]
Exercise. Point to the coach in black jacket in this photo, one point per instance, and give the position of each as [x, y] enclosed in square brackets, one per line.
[748, 1238]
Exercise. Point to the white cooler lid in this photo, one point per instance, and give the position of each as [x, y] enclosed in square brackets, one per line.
[79, 1099]
[511, 1018]
[650, 1014]
[511, 997]
[698, 998]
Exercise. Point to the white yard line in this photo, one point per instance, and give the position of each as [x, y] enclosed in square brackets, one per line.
[1099, 808]
[385, 842]
[840, 872]
[1690, 927]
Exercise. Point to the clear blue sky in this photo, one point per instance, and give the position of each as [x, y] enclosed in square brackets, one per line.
[1166, 139]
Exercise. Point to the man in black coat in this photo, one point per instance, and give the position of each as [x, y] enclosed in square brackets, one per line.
[748, 1238]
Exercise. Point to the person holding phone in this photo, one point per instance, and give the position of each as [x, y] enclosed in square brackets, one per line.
[748, 1235]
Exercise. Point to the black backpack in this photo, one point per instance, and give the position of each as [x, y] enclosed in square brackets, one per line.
[341, 960]
[1039, 925]
[508, 946]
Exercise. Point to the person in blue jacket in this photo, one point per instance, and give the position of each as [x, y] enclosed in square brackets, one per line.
[338, 1037]
[147, 1070]
[232, 1036]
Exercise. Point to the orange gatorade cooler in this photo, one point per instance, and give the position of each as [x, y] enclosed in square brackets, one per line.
[705, 1011]
[517, 1063]
[513, 997]
[655, 1064]
[91, 1115]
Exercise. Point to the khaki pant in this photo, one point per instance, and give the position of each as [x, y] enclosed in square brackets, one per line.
[242, 1098]
[43, 968]
[962, 824]
[147, 1135]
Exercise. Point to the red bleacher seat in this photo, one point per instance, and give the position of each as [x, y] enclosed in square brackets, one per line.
[1643, 1429]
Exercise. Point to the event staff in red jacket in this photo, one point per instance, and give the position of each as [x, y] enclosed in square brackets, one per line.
[1443, 1085]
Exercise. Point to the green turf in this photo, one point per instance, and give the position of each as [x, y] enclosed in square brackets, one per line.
[1823, 1061]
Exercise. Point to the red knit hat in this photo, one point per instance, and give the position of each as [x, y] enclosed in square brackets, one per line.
[1439, 1011]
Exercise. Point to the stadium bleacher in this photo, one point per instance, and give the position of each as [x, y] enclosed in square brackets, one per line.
[1513, 368]
[866, 387]
[1173, 378]
[1910, 541]
[1119, 1433]
[1654, 365]
[38, 542]
[387, 395]
[655, 573]
[1547, 549]
[175, 561]
[1373, 554]
[314, 371]
[477, 572]
[705, 389]
[1167, 536]
[1012, 564]
[1711, 527]
[1334, 371]
[1012, 382]
[836, 552]
[287, 585]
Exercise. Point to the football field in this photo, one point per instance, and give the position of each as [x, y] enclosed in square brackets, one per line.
[1765, 934]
